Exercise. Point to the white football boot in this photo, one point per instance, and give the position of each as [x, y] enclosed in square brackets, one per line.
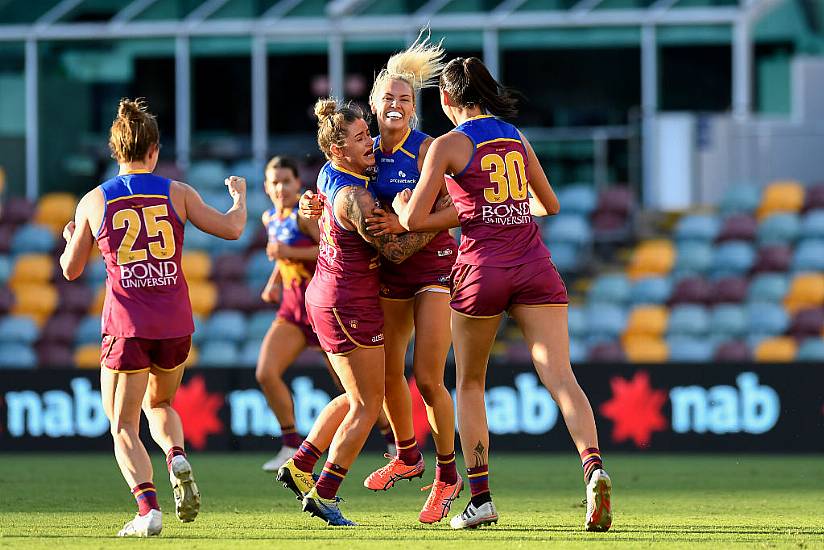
[599, 504]
[186, 493]
[279, 459]
[473, 516]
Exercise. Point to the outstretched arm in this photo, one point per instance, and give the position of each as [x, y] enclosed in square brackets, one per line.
[226, 226]
[355, 204]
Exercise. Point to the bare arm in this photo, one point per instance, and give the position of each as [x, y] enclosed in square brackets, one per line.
[298, 253]
[547, 203]
[79, 236]
[271, 292]
[226, 226]
[354, 204]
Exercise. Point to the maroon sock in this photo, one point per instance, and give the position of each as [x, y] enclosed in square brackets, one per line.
[591, 461]
[146, 496]
[445, 469]
[479, 484]
[289, 437]
[408, 451]
[306, 457]
[330, 479]
[173, 452]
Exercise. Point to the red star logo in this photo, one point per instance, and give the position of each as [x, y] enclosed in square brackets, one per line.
[635, 409]
[198, 410]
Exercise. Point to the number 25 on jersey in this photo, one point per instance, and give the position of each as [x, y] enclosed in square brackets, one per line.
[130, 219]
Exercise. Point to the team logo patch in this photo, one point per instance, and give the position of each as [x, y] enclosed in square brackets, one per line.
[353, 323]
[401, 173]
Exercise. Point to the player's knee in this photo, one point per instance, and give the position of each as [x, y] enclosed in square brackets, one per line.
[157, 403]
[123, 429]
[430, 389]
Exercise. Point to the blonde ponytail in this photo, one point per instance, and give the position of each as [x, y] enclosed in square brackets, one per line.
[419, 65]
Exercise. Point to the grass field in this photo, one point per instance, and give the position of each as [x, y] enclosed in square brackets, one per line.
[80, 500]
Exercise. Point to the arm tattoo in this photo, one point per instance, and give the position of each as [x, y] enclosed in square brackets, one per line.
[358, 204]
[478, 454]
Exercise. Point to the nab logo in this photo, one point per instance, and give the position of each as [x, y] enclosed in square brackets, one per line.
[401, 174]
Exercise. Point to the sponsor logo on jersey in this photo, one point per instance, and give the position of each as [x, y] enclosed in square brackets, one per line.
[445, 252]
[378, 338]
[353, 323]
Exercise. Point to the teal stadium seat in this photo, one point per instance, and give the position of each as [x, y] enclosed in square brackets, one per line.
[692, 258]
[651, 291]
[605, 321]
[780, 228]
[768, 287]
[5, 268]
[765, 320]
[251, 170]
[15, 355]
[18, 329]
[812, 225]
[740, 199]
[688, 320]
[568, 228]
[95, 272]
[207, 174]
[32, 238]
[811, 350]
[195, 239]
[809, 256]
[88, 332]
[218, 353]
[577, 322]
[728, 321]
[259, 323]
[226, 325]
[732, 258]
[249, 353]
[690, 349]
[565, 256]
[199, 335]
[579, 198]
[697, 227]
[578, 351]
[611, 288]
[258, 269]
[257, 202]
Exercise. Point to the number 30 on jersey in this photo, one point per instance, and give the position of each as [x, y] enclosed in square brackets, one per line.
[508, 174]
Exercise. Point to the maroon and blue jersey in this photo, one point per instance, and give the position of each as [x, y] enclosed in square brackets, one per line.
[491, 196]
[141, 239]
[398, 170]
[284, 228]
[347, 269]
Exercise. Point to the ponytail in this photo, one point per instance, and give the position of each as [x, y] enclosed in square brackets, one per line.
[469, 84]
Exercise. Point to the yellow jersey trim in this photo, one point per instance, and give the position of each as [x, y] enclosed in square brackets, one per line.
[128, 172]
[405, 152]
[345, 171]
[497, 140]
[478, 117]
[402, 141]
[138, 196]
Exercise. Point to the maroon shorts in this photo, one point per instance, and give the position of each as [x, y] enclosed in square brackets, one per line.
[342, 330]
[426, 270]
[485, 291]
[293, 311]
[140, 354]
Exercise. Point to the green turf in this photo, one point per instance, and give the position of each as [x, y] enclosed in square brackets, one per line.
[80, 500]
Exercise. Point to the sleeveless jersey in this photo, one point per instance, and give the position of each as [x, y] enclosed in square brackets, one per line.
[347, 270]
[491, 196]
[397, 171]
[141, 238]
[285, 229]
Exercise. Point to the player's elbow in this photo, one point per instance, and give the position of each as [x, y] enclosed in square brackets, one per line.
[70, 273]
[553, 208]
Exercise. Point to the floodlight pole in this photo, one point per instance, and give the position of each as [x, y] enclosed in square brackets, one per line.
[492, 58]
[336, 68]
[649, 107]
[32, 120]
[183, 102]
[260, 93]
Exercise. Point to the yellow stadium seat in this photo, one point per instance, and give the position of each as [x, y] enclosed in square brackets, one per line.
[31, 268]
[87, 356]
[645, 349]
[54, 210]
[781, 196]
[781, 349]
[650, 258]
[196, 265]
[647, 321]
[806, 291]
[36, 300]
[203, 295]
[96, 308]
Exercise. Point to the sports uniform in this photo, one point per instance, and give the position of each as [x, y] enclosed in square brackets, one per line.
[295, 274]
[147, 315]
[342, 298]
[429, 268]
[502, 260]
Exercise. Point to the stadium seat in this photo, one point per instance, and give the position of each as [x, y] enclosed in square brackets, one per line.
[568, 228]
[647, 321]
[6, 237]
[645, 349]
[6, 299]
[610, 227]
[688, 320]
[249, 353]
[814, 197]
[197, 265]
[87, 356]
[5, 268]
[728, 321]
[697, 227]
[96, 306]
[781, 349]
[733, 351]
[565, 256]
[74, 297]
[806, 291]
[781, 196]
[18, 328]
[779, 228]
[226, 325]
[691, 290]
[605, 320]
[578, 199]
[651, 290]
[578, 351]
[689, 349]
[259, 268]
[693, 258]
[740, 199]
[607, 352]
[95, 273]
[765, 319]
[237, 246]
[260, 322]
[236, 295]
[732, 258]
[610, 288]
[576, 322]
[218, 353]
[650, 258]
[54, 210]
[88, 331]
[195, 239]
[16, 355]
[615, 199]
[229, 267]
[809, 256]
[812, 225]
[60, 329]
[206, 174]
[806, 323]
[17, 210]
[811, 350]
[33, 238]
[776, 258]
[768, 287]
[738, 227]
[203, 295]
[35, 300]
[32, 268]
[731, 290]
[55, 355]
